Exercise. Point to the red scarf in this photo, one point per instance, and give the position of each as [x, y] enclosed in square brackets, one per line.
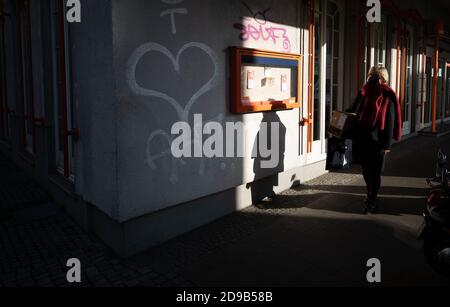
[376, 104]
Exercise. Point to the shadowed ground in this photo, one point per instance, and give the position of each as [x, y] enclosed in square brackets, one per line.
[314, 235]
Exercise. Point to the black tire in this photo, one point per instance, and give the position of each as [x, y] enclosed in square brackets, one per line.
[434, 247]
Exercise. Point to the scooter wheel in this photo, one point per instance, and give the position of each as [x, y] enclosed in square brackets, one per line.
[437, 253]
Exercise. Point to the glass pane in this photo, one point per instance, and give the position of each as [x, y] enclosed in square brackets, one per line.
[331, 8]
[440, 90]
[447, 101]
[335, 98]
[337, 25]
[317, 55]
[336, 44]
[329, 72]
[335, 70]
[427, 104]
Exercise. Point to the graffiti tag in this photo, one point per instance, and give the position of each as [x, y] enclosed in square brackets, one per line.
[259, 27]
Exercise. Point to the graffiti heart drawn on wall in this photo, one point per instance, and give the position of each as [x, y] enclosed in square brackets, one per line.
[183, 112]
[258, 27]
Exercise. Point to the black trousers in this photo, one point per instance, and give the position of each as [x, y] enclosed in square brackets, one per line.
[373, 166]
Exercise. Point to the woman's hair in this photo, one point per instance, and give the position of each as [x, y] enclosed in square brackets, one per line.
[379, 72]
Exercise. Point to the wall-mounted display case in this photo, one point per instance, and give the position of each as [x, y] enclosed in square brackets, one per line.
[264, 81]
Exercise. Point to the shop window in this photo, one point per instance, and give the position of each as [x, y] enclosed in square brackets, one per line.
[25, 72]
[447, 100]
[333, 32]
[404, 73]
[378, 44]
[428, 92]
[65, 131]
[327, 23]
[317, 131]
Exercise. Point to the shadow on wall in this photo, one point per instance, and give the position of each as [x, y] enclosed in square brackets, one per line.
[265, 143]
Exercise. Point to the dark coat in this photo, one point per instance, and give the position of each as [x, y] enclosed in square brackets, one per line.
[368, 142]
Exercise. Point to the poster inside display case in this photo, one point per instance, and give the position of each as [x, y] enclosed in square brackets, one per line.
[264, 81]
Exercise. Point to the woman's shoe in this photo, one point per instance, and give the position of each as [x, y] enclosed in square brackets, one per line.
[371, 205]
[367, 202]
[373, 209]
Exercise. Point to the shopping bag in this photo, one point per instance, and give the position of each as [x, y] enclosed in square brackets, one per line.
[343, 125]
[338, 157]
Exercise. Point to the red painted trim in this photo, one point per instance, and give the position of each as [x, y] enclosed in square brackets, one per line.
[435, 78]
[259, 106]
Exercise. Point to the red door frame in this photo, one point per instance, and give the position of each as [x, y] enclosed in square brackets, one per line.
[439, 30]
[312, 33]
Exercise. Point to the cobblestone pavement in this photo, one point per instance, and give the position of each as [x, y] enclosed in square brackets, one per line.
[37, 238]
[281, 242]
[316, 235]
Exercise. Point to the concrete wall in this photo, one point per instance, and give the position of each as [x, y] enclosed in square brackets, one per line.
[152, 96]
[95, 98]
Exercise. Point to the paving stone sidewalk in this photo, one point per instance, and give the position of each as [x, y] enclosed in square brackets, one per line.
[313, 235]
[37, 238]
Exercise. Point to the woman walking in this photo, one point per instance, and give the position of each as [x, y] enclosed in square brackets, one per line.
[379, 123]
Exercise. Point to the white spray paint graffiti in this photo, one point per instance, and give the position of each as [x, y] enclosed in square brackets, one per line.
[183, 113]
[172, 12]
[152, 158]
